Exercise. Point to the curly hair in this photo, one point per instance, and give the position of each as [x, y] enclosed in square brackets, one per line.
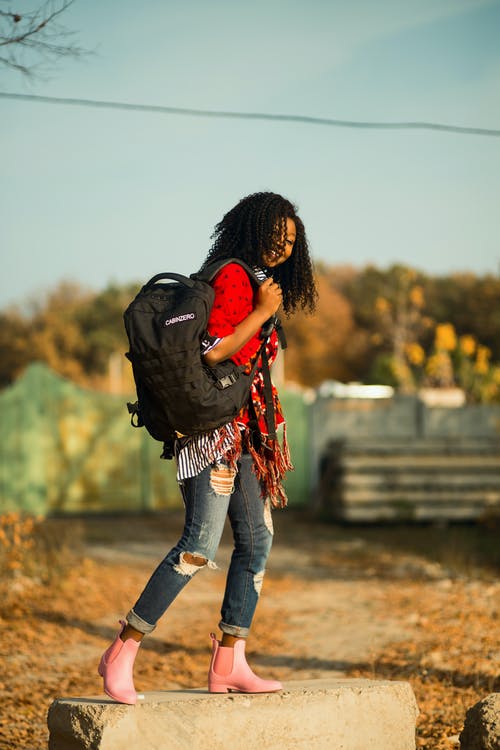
[258, 223]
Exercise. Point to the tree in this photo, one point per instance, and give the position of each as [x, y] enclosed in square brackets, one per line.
[101, 324]
[401, 326]
[328, 345]
[55, 336]
[36, 37]
[394, 326]
[471, 303]
[14, 345]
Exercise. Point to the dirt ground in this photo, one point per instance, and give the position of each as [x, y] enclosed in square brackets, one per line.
[335, 601]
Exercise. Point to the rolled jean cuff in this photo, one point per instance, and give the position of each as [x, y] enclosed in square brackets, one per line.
[234, 630]
[138, 623]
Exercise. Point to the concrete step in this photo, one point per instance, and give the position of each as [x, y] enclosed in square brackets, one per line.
[480, 497]
[405, 512]
[412, 480]
[429, 462]
[341, 714]
[428, 446]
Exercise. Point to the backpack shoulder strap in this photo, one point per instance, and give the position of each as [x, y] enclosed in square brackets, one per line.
[210, 270]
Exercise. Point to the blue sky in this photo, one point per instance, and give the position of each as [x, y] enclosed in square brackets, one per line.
[94, 195]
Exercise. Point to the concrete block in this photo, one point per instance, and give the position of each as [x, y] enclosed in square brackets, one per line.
[342, 714]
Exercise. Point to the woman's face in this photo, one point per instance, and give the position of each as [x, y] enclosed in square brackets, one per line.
[282, 251]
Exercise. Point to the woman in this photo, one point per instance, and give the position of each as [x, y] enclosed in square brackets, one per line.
[237, 469]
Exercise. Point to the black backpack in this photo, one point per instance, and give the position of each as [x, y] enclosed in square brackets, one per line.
[176, 391]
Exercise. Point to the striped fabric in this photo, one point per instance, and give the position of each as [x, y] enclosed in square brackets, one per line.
[260, 273]
[209, 342]
[195, 453]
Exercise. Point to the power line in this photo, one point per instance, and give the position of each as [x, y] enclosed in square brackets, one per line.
[253, 115]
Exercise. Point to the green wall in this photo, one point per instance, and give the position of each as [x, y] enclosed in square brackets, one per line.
[66, 449]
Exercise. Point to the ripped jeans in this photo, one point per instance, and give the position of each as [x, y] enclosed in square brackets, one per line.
[208, 498]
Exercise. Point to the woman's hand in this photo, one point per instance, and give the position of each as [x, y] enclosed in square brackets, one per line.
[267, 302]
[269, 297]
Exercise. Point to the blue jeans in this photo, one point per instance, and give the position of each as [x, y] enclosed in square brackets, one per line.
[208, 498]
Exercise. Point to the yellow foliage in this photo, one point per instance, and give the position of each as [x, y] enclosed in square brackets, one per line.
[468, 344]
[490, 391]
[440, 369]
[415, 354]
[482, 363]
[382, 305]
[432, 365]
[417, 296]
[403, 374]
[446, 338]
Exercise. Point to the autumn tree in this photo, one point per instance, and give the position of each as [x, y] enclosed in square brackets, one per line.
[74, 331]
[14, 345]
[437, 331]
[328, 345]
[471, 303]
[401, 325]
[101, 324]
[394, 326]
[388, 307]
[55, 336]
[464, 362]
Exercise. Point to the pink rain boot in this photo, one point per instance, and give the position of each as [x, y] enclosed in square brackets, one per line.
[229, 671]
[116, 667]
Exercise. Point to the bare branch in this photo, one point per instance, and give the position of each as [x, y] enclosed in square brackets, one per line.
[36, 32]
[16, 66]
[33, 25]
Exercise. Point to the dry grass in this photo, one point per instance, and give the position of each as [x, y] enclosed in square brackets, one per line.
[60, 604]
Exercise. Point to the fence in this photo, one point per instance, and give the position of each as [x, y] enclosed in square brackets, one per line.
[66, 449]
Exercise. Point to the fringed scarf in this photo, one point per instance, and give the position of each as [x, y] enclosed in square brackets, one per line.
[271, 460]
[234, 300]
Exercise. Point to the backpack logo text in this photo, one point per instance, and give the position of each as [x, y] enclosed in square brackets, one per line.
[180, 319]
